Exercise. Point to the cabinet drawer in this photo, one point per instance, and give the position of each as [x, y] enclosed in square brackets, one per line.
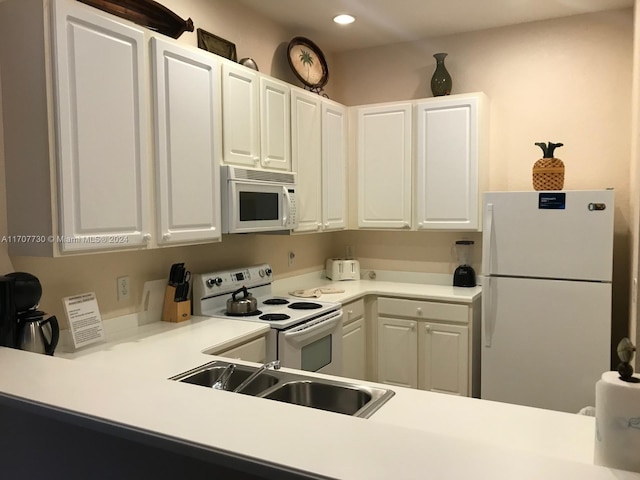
[353, 311]
[417, 309]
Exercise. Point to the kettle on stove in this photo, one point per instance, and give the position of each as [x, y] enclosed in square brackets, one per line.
[33, 332]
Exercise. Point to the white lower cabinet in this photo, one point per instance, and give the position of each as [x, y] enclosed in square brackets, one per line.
[354, 341]
[424, 345]
[252, 351]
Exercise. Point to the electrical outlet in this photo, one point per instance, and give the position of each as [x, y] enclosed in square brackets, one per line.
[124, 290]
[291, 258]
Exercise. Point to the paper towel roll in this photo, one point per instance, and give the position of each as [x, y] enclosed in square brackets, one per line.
[617, 443]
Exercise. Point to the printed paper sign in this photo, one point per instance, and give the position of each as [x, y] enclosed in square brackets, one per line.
[84, 318]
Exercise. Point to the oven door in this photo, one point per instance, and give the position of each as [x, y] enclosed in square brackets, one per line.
[315, 346]
[256, 207]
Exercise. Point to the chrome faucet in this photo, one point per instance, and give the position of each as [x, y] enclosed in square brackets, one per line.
[223, 379]
[275, 365]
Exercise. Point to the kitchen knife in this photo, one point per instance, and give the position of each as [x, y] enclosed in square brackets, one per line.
[176, 274]
[182, 292]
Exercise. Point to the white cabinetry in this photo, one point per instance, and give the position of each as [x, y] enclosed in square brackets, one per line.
[188, 143]
[384, 166]
[319, 150]
[256, 118]
[251, 351]
[434, 182]
[334, 166]
[450, 147]
[240, 115]
[76, 109]
[275, 124]
[306, 141]
[354, 341]
[425, 345]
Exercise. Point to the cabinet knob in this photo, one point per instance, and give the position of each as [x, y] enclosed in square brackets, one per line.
[326, 225]
[349, 313]
[319, 225]
[267, 160]
[413, 327]
[166, 236]
[420, 224]
[406, 225]
[146, 237]
[419, 311]
[428, 329]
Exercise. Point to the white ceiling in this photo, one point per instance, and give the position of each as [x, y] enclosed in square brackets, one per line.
[381, 22]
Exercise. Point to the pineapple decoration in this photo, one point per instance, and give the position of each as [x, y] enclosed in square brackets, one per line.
[548, 172]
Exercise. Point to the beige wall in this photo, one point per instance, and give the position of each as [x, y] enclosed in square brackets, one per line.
[563, 80]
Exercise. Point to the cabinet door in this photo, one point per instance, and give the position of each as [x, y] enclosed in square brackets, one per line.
[103, 126]
[397, 352]
[307, 158]
[240, 115]
[188, 143]
[447, 164]
[334, 166]
[444, 359]
[354, 351]
[275, 124]
[384, 166]
[253, 351]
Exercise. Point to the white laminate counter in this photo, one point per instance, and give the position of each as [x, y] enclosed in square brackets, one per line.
[416, 434]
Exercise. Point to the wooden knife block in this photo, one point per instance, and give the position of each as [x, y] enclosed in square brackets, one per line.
[173, 311]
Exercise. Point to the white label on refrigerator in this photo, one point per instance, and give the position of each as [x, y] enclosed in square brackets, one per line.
[84, 318]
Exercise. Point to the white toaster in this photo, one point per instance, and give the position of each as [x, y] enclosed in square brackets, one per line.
[339, 269]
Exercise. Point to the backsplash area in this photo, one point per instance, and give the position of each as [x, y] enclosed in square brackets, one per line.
[405, 251]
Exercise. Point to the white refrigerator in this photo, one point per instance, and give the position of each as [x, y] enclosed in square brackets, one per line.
[547, 260]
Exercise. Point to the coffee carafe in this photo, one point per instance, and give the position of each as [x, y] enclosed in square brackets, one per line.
[464, 275]
[22, 325]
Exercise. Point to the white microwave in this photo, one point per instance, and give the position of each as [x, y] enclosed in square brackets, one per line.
[257, 200]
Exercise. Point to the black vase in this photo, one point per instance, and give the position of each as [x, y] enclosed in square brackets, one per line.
[441, 80]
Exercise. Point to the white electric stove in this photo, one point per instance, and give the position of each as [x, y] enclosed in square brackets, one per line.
[305, 334]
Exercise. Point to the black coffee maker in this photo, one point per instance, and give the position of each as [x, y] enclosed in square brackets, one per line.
[22, 325]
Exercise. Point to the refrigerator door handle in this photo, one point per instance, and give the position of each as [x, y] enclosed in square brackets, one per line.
[488, 317]
[487, 245]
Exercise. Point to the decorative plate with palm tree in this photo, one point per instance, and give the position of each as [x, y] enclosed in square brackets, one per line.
[308, 63]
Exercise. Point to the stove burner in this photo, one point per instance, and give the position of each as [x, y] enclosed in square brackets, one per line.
[274, 317]
[276, 301]
[304, 306]
[248, 314]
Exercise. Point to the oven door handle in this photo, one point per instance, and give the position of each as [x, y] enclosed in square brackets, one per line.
[301, 334]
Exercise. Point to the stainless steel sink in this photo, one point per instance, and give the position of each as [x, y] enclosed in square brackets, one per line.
[208, 376]
[334, 396]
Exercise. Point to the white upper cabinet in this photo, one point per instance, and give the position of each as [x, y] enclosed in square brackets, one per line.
[306, 144]
[275, 124]
[240, 115]
[188, 143]
[102, 121]
[384, 166]
[450, 150]
[334, 166]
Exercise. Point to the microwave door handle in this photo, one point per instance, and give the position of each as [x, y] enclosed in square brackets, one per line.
[287, 206]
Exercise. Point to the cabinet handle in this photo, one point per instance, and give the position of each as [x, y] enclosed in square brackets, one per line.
[419, 311]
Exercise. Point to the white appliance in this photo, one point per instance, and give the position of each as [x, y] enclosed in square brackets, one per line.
[339, 269]
[257, 200]
[304, 335]
[546, 296]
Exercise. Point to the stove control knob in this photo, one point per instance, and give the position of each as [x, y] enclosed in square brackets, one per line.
[214, 281]
[261, 273]
[268, 271]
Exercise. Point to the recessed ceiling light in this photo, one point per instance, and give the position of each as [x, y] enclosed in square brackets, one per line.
[344, 19]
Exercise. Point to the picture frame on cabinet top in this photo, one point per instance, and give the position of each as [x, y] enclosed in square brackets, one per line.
[218, 45]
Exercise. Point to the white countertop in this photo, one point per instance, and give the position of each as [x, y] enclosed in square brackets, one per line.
[416, 433]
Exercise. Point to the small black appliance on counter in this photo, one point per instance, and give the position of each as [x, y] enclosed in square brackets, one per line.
[464, 276]
[22, 325]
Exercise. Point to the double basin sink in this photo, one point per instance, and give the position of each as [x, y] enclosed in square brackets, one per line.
[298, 389]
